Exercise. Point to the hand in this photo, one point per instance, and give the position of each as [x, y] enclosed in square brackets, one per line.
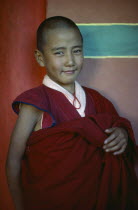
[117, 141]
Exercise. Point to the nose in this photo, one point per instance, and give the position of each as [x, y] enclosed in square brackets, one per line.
[69, 60]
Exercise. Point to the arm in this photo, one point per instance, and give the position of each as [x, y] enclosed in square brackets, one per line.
[118, 136]
[25, 124]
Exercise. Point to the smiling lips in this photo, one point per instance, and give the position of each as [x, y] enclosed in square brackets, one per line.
[69, 72]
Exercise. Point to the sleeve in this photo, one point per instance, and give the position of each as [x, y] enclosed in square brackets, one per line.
[38, 98]
[34, 97]
[103, 105]
[131, 151]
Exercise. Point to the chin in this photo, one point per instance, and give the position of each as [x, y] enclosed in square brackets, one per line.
[69, 81]
[66, 82]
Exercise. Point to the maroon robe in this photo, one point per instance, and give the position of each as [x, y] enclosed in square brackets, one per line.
[65, 167]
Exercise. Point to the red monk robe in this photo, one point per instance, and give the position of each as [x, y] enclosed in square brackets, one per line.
[64, 167]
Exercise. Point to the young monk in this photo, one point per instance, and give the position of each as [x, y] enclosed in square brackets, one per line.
[69, 148]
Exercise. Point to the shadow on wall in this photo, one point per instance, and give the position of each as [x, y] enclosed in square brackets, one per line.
[89, 71]
[89, 75]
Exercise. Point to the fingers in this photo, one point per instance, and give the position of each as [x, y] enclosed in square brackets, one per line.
[121, 150]
[110, 130]
[115, 133]
[111, 142]
[117, 149]
[110, 138]
[115, 145]
[116, 142]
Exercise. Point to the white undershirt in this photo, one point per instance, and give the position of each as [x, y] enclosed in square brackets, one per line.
[79, 93]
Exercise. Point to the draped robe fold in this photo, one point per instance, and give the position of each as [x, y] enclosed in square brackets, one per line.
[65, 167]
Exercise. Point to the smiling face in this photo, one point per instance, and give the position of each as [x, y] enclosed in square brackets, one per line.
[62, 56]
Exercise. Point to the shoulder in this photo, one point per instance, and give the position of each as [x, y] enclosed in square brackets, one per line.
[36, 91]
[94, 93]
[102, 104]
[36, 97]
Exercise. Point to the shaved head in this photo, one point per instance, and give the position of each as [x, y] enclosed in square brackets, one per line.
[53, 23]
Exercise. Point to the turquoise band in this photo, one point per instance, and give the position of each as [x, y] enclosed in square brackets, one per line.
[110, 40]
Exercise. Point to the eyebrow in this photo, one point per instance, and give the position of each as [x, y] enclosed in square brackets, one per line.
[58, 48]
[63, 48]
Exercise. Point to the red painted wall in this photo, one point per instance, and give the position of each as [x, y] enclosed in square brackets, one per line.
[115, 78]
[19, 71]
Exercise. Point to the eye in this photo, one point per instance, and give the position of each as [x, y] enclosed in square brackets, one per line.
[77, 51]
[59, 53]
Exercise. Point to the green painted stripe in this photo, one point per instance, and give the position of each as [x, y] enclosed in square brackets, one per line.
[106, 24]
[129, 56]
[110, 40]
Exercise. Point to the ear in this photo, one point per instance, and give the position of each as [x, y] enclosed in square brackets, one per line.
[39, 58]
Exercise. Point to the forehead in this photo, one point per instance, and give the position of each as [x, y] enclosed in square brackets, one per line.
[62, 36]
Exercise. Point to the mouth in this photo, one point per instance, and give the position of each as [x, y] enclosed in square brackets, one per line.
[69, 71]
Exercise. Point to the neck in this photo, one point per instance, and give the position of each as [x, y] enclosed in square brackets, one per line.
[70, 88]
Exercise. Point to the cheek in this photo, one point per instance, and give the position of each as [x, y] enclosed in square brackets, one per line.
[80, 61]
[56, 62]
[53, 64]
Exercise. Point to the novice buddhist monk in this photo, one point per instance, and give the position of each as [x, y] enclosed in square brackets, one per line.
[69, 149]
